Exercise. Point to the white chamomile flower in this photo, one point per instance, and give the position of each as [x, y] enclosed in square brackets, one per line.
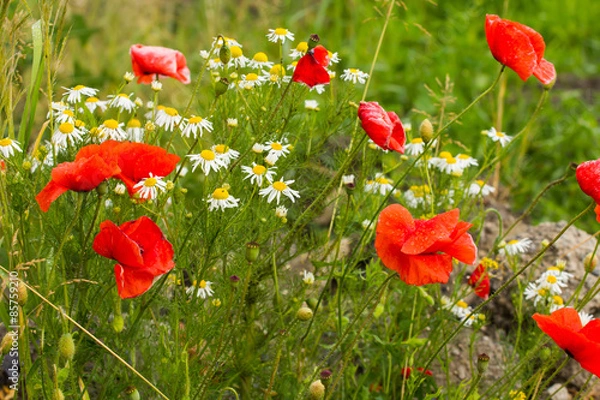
[559, 272]
[43, 156]
[238, 59]
[120, 189]
[280, 35]
[232, 122]
[461, 309]
[496, 136]
[320, 88]
[221, 199]
[281, 212]
[414, 147]
[134, 130]
[168, 118]
[557, 303]
[311, 105]
[128, 76]
[585, 317]
[417, 196]
[122, 102]
[276, 149]
[309, 277]
[473, 320]
[292, 66]
[64, 115]
[148, 188]
[334, 58]
[551, 283]
[480, 188]
[74, 94]
[251, 80]
[156, 86]
[218, 43]
[367, 224]
[533, 291]
[260, 61]
[257, 173]
[381, 185]
[447, 164]
[92, 103]
[276, 75]
[8, 147]
[112, 129]
[225, 153]
[516, 246]
[208, 160]
[202, 289]
[258, 148]
[66, 134]
[196, 126]
[215, 64]
[299, 51]
[277, 188]
[348, 180]
[466, 161]
[354, 75]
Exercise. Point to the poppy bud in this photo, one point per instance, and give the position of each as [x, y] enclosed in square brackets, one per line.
[316, 390]
[225, 54]
[379, 309]
[426, 130]
[326, 374]
[313, 41]
[221, 86]
[102, 188]
[234, 279]
[589, 262]
[26, 165]
[22, 294]
[132, 393]
[304, 313]
[57, 394]
[252, 251]
[66, 346]
[482, 363]
[118, 323]
[7, 342]
[312, 303]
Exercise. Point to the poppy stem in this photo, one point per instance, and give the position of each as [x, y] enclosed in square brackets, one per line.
[506, 284]
[278, 106]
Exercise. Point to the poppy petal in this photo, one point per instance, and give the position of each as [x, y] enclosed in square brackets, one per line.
[427, 233]
[463, 249]
[588, 177]
[111, 242]
[132, 282]
[426, 269]
[48, 194]
[157, 251]
[310, 69]
[148, 61]
[384, 128]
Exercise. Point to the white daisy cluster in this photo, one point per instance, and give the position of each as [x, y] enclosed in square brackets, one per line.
[452, 165]
[416, 146]
[380, 185]
[418, 196]
[547, 289]
[74, 95]
[479, 189]
[217, 157]
[515, 247]
[461, 310]
[355, 76]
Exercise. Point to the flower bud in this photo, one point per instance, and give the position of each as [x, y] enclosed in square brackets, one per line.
[426, 130]
[221, 86]
[22, 294]
[234, 279]
[589, 262]
[66, 346]
[118, 323]
[304, 313]
[252, 251]
[128, 77]
[482, 363]
[132, 393]
[312, 303]
[7, 342]
[316, 390]
[57, 394]
[313, 41]
[26, 165]
[326, 374]
[102, 188]
[225, 53]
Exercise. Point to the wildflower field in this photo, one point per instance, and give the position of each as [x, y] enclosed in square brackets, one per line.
[299, 200]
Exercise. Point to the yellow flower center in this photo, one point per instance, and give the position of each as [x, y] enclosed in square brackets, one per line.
[558, 300]
[260, 57]
[279, 186]
[160, 107]
[294, 63]
[451, 160]
[171, 111]
[542, 292]
[464, 157]
[195, 120]
[69, 113]
[123, 95]
[302, 46]
[259, 170]
[281, 31]
[417, 141]
[91, 100]
[551, 279]
[78, 87]
[219, 194]
[480, 182]
[221, 148]
[514, 241]
[251, 77]
[79, 123]
[236, 51]
[7, 142]
[461, 304]
[134, 123]
[276, 146]
[202, 284]
[66, 128]
[278, 70]
[353, 71]
[445, 154]
[111, 124]
[208, 155]
[500, 134]
[553, 269]
[382, 181]
[149, 182]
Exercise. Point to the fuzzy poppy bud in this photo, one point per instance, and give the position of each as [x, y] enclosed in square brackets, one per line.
[102, 188]
[118, 323]
[312, 303]
[313, 41]
[22, 294]
[57, 394]
[316, 390]
[66, 346]
[225, 54]
[132, 393]
[304, 313]
[482, 363]
[326, 374]
[426, 130]
[7, 342]
[221, 86]
[589, 262]
[252, 251]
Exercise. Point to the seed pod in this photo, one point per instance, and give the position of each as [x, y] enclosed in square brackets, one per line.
[426, 130]
[22, 294]
[316, 390]
[66, 346]
[118, 323]
[252, 251]
[304, 313]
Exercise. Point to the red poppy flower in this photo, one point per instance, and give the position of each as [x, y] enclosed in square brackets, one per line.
[141, 250]
[384, 128]
[588, 177]
[518, 47]
[406, 372]
[421, 251]
[311, 68]
[480, 281]
[148, 61]
[82, 175]
[580, 342]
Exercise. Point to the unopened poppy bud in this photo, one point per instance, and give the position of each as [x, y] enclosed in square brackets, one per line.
[589, 262]
[426, 296]
[313, 41]
[304, 313]
[66, 346]
[252, 251]
[7, 342]
[379, 309]
[132, 393]
[118, 323]
[57, 394]
[326, 374]
[225, 54]
[550, 85]
[221, 86]
[316, 390]
[234, 279]
[482, 363]
[312, 303]
[102, 188]
[22, 294]
[426, 130]
[116, 210]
